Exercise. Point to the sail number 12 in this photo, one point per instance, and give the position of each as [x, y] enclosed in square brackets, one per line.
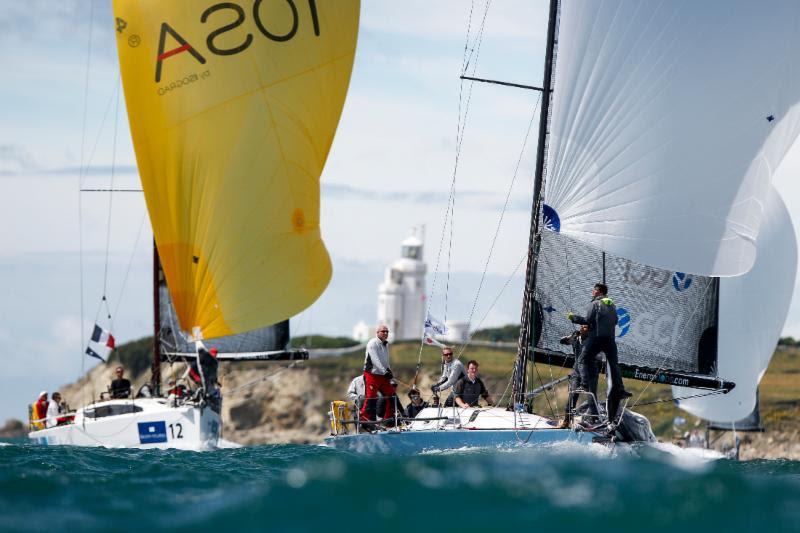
[176, 430]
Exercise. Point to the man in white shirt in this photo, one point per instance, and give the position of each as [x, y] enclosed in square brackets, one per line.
[452, 371]
[53, 409]
[377, 376]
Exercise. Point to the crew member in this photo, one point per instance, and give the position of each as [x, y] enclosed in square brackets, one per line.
[417, 403]
[53, 409]
[209, 368]
[39, 413]
[377, 376]
[452, 371]
[470, 388]
[576, 340]
[120, 387]
[601, 317]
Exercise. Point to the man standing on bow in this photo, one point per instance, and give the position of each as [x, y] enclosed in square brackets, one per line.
[378, 376]
[601, 317]
[452, 371]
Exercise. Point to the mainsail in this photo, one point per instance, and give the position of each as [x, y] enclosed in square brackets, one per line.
[753, 309]
[668, 122]
[233, 109]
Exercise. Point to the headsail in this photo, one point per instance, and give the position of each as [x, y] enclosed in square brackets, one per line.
[753, 309]
[233, 110]
[667, 330]
[668, 121]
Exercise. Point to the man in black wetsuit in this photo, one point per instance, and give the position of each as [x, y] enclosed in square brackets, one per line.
[470, 388]
[576, 340]
[120, 387]
[601, 317]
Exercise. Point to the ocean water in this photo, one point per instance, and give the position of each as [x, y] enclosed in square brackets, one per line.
[307, 488]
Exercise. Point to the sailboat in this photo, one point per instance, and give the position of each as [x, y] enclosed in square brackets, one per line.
[653, 164]
[232, 116]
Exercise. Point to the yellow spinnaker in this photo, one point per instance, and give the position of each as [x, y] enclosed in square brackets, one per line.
[233, 107]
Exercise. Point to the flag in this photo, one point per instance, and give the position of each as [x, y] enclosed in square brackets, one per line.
[103, 336]
[432, 342]
[434, 328]
[92, 353]
[100, 344]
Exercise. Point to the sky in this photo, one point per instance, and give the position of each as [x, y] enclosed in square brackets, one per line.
[390, 168]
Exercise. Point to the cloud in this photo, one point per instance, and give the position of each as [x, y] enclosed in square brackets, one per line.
[15, 160]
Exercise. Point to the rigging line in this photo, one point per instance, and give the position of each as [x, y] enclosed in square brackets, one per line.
[128, 270]
[100, 129]
[665, 400]
[459, 146]
[259, 380]
[80, 182]
[663, 359]
[496, 299]
[502, 214]
[466, 39]
[111, 195]
[459, 139]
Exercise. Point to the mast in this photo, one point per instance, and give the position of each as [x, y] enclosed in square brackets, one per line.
[155, 371]
[528, 302]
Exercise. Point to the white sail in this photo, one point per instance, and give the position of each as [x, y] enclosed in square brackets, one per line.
[668, 121]
[752, 311]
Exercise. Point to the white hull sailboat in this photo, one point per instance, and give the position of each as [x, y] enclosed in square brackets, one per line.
[141, 423]
[230, 142]
[447, 428]
[653, 166]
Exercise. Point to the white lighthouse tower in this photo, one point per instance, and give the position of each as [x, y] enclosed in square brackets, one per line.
[401, 296]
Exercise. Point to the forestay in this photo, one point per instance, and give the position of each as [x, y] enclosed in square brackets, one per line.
[667, 320]
[668, 122]
[753, 309]
[233, 108]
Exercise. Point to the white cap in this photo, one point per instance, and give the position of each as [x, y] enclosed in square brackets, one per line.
[43, 393]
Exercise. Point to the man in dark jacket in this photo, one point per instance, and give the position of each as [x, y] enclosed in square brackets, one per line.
[576, 340]
[601, 317]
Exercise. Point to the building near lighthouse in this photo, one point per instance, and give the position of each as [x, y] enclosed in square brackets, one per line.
[401, 296]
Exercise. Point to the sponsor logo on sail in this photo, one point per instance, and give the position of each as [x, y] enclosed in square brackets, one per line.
[550, 218]
[681, 281]
[623, 322]
[224, 17]
[660, 378]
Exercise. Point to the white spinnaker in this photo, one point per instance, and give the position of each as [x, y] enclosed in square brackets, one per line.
[752, 311]
[668, 121]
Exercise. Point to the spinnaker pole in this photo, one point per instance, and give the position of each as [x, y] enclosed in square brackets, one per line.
[528, 301]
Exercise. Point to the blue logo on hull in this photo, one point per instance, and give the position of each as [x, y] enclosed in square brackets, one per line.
[623, 322]
[681, 281]
[152, 432]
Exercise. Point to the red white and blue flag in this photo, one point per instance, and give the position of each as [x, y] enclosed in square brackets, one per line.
[100, 344]
[434, 328]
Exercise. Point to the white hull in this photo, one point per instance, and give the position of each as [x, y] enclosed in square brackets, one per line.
[463, 428]
[148, 423]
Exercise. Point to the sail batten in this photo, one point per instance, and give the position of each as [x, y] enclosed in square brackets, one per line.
[233, 108]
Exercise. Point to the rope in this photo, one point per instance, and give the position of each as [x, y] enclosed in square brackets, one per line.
[259, 380]
[503, 212]
[460, 128]
[80, 181]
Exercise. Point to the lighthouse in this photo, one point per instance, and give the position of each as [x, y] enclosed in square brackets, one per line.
[401, 296]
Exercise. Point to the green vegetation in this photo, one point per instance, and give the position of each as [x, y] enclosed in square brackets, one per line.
[321, 341]
[509, 333]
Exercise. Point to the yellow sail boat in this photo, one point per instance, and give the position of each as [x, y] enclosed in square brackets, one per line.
[233, 107]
